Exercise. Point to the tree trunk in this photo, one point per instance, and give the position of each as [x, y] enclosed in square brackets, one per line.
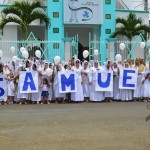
[130, 47]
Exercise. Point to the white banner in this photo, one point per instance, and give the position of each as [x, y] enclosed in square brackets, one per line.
[28, 82]
[128, 79]
[104, 81]
[3, 89]
[83, 11]
[67, 82]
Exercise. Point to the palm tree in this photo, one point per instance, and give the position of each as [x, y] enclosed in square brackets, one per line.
[131, 27]
[23, 13]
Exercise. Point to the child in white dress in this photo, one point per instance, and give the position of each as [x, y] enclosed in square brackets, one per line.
[44, 86]
[11, 89]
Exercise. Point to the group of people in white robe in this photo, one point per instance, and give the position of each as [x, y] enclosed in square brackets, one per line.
[86, 80]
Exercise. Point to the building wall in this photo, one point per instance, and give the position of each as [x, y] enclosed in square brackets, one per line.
[56, 24]
[108, 25]
[5, 42]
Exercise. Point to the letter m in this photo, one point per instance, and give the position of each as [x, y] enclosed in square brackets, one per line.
[67, 82]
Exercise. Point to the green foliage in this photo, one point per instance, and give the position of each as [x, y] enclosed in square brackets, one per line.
[23, 13]
[130, 27]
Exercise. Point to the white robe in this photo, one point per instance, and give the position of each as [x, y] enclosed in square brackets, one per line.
[56, 86]
[94, 95]
[36, 97]
[116, 90]
[85, 84]
[146, 85]
[11, 87]
[78, 96]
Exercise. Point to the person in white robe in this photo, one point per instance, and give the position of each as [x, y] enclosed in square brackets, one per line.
[78, 96]
[146, 84]
[59, 97]
[85, 78]
[95, 96]
[126, 94]
[116, 90]
[108, 95]
[36, 97]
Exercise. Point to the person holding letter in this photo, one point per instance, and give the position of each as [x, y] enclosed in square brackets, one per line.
[85, 78]
[94, 95]
[78, 96]
[126, 94]
[116, 90]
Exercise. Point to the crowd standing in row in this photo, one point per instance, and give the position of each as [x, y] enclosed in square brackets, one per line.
[86, 80]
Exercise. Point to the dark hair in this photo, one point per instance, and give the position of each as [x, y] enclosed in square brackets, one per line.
[34, 65]
[27, 64]
[45, 79]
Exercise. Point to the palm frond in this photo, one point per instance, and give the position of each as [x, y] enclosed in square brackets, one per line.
[121, 21]
[38, 15]
[12, 10]
[131, 26]
[4, 21]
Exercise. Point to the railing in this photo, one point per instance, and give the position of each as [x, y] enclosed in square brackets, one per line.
[31, 47]
[54, 46]
[140, 5]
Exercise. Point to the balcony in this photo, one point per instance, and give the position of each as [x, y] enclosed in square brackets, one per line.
[134, 5]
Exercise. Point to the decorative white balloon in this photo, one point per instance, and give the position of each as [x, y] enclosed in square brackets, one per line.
[118, 58]
[142, 44]
[22, 49]
[49, 72]
[85, 53]
[12, 49]
[122, 46]
[96, 52]
[38, 53]
[15, 58]
[1, 53]
[56, 60]
[25, 54]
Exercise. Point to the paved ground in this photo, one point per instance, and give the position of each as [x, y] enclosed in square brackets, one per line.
[92, 126]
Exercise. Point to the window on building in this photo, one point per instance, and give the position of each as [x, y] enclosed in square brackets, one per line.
[55, 0]
[56, 14]
[55, 30]
[108, 16]
[55, 45]
[108, 31]
[107, 1]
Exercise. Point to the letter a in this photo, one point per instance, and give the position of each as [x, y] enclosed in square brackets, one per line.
[28, 82]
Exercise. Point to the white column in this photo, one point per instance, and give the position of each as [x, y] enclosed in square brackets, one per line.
[111, 51]
[67, 51]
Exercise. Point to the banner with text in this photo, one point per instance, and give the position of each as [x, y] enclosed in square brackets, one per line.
[128, 79]
[28, 82]
[104, 81]
[67, 82]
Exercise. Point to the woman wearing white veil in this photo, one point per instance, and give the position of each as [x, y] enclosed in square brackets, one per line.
[108, 94]
[146, 84]
[58, 96]
[116, 90]
[126, 94]
[85, 79]
[78, 96]
[94, 95]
